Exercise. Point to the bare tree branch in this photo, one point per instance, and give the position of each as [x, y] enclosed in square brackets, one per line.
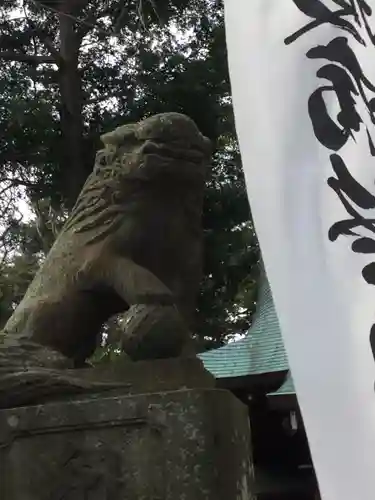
[46, 41]
[49, 46]
[90, 22]
[17, 182]
[28, 58]
[83, 22]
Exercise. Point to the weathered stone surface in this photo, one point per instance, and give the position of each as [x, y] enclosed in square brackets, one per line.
[153, 376]
[133, 243]
[190, 444]
[38, 385]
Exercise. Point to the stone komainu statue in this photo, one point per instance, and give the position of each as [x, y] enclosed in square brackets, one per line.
[133, 242]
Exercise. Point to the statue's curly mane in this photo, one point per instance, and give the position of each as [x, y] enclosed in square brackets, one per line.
[100, 205]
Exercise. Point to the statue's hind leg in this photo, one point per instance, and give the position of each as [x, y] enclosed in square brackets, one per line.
[28, 337]
[153, 326]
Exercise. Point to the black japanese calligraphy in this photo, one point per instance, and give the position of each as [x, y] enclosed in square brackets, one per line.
[352, 195]
[349, 17]
[345, 81]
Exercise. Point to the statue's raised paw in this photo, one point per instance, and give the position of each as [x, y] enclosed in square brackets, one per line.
[154, 331]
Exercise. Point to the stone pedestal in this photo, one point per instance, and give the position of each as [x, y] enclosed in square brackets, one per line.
[189, 444]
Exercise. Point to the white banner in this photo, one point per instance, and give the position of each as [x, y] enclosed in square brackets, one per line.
[303, 83]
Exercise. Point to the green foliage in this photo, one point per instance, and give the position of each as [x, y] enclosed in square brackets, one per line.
[17, 271]
[128, 60]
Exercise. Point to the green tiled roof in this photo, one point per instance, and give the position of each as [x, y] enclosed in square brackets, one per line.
[260, 351]
[286, 389]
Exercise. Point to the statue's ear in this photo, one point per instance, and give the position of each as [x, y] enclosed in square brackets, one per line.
[121, 135]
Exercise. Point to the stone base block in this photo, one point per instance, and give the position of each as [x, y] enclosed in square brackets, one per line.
[190, 444]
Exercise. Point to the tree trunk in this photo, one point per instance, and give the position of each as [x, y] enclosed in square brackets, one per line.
[73, 164]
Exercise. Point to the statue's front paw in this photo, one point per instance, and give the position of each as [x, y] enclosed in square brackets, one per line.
[153, 331]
